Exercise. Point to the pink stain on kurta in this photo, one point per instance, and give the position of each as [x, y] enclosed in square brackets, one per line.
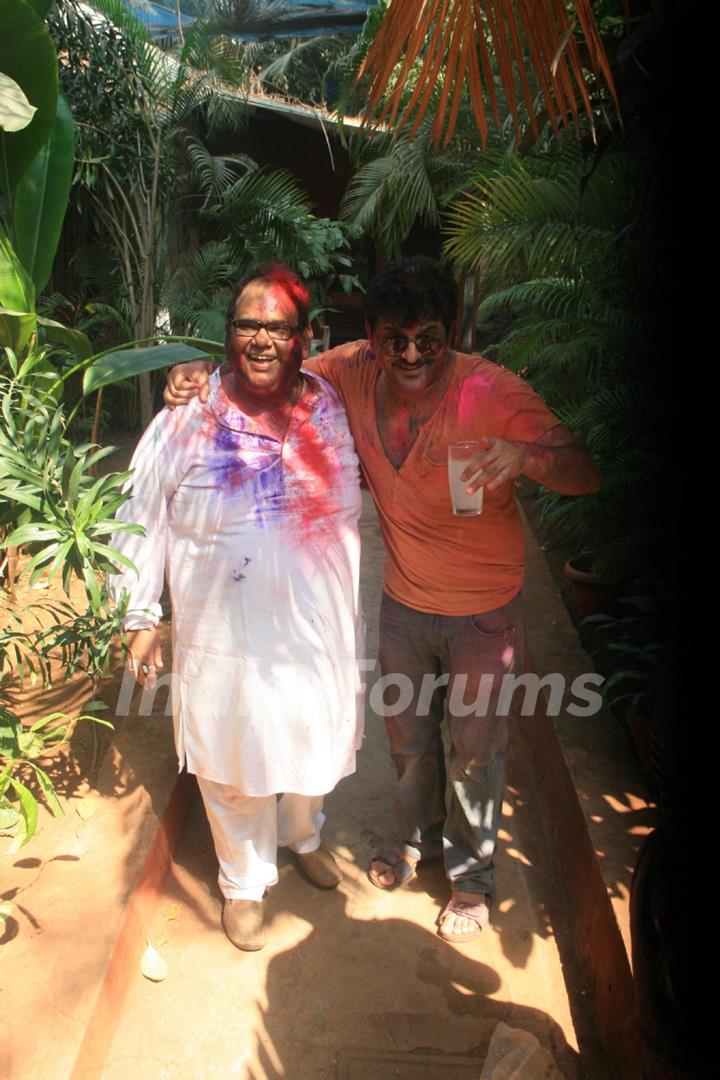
[313, 478]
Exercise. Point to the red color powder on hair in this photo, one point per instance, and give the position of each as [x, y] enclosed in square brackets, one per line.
[291, 285]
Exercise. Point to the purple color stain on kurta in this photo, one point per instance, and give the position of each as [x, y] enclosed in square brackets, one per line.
[269, 489]
[260, 471]
[238, 574]
[235, 470]
[242, 458]
[227, 462]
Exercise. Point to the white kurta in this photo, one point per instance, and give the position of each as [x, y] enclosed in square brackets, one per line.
[260, 543]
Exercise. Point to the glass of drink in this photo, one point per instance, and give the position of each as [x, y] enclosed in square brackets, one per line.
[459, 457]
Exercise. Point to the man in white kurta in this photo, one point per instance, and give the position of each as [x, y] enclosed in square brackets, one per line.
[259, 541]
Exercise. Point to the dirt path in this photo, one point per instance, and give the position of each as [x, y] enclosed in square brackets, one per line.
[357, 969]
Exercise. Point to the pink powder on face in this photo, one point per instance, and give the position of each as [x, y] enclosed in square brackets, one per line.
[276, 289]
[266, 307]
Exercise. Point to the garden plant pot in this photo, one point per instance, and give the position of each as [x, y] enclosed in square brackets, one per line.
[638, 721]
[591, 595]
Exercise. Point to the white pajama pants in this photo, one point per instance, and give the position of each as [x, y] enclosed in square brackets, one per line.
[248, 830]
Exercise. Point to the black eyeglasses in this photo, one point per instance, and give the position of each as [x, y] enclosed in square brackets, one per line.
[278, 331]
[426, 344]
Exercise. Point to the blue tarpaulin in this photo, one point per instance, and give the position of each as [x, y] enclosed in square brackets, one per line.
[295, 18]
[310, 18]
[159, 20]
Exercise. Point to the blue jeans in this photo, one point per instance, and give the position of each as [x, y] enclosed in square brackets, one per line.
[454, 652]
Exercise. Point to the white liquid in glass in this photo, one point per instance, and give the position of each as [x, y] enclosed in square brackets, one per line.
[463, 504]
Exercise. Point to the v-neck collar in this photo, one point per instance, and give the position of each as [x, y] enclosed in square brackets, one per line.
[421, 428]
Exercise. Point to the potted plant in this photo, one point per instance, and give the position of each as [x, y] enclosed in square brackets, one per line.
[635, 641]
[591, 593]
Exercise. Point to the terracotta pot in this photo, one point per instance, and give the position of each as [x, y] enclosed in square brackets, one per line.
[639, 726]
[591, 596]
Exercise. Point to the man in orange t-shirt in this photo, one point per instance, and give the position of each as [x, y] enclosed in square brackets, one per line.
[451, 610]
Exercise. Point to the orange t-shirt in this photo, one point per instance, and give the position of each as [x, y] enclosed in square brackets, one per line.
[438, 562]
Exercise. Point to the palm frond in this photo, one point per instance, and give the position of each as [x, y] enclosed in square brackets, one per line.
[259, 191]
[578, 303]
[365, 192]
[555, 214]
[206, 271]
[120, 15]
[529, 43]
[247, 16]
[517, 214]
[625, 404]
[206, 50]
[402, 183]
[198, 291]
[215, 173]
[226, 115]
[280, 67]
[206, 323]
[555, 344]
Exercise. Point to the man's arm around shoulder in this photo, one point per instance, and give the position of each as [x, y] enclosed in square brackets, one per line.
[186, 381]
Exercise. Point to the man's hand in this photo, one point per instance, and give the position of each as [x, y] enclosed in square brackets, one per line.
[144, 656]
[498, 461]
[556, 461]
[186, 380]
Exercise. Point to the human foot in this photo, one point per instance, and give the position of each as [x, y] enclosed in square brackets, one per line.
[392, 867]
[464, 917]
[243, 923]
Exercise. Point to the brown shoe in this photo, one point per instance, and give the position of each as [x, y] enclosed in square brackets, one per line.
[320, 867]
[243, 923]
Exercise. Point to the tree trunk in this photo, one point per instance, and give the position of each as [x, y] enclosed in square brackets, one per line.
[145, 328]
[95, 437]
[146, 405]
[12, 558]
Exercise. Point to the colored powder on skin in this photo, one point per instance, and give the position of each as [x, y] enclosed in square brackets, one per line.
[291, 286]
[267, 305]
[273, 295]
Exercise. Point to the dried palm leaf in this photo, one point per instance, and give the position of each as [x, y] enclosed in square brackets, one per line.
[456, 42]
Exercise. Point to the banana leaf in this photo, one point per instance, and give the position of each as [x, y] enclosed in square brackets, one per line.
[41, 198]
[27, 55]
[122, 364]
